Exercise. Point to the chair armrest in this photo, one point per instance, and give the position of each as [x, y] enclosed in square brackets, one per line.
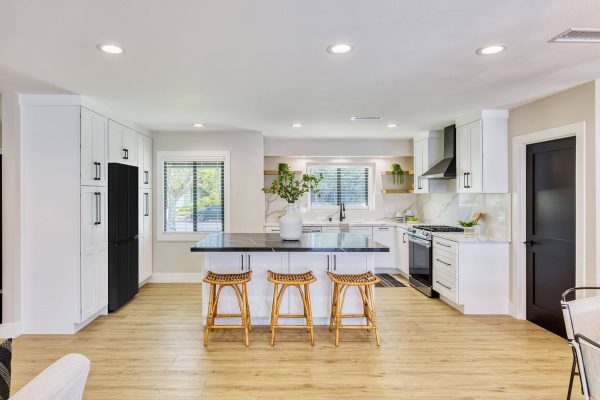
[575, 289]
[63, 380]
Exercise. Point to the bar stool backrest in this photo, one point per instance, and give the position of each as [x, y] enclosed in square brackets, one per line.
[582, 316]
[588, 353]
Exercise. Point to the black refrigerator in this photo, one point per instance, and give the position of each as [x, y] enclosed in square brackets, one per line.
[122, 234]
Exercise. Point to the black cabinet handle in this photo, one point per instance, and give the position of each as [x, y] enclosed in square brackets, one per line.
[249, 265]
[334, 263]
[447, 287]
[443, 262]
[146, 177]
[97, 171]
[242, 261]
[146, 205]
[464, 180]
[442, 244]
[327, 262]
[98, 212]
[125, 154]
[404, 237]
[468, 181]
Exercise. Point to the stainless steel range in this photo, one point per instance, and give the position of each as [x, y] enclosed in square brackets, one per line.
[420, 256]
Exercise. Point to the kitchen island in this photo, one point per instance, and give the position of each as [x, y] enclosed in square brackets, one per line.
[343, 253]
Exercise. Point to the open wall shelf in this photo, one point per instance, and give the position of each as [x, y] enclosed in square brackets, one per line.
[276, 172]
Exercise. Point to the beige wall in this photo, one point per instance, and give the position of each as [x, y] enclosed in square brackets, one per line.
[247, 201]
[571, 106]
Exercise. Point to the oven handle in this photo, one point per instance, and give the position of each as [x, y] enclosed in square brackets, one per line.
[421, 242]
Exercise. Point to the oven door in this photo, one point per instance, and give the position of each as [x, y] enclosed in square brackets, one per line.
[419, 266]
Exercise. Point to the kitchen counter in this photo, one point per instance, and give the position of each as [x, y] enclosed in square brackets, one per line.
[272, 242]
[337, 223]
[461, 238]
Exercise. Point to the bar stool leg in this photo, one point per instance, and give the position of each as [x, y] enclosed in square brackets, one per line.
[338, 312]
[276, 314]
[373, 314]
[309, 320]
[275, 286]
[248, 317]
[333, 307]
[244, 315]
[209, 317]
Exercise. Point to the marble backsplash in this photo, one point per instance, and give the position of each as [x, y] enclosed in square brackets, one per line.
[448, 208]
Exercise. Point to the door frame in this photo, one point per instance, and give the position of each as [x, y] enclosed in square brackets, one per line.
[518, 305]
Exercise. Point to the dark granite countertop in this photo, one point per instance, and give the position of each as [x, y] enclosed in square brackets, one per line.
[322, 242]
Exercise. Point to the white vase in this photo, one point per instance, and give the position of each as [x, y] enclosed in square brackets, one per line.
[290, 225]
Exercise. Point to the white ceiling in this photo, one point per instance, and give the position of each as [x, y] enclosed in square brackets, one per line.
[260, 65]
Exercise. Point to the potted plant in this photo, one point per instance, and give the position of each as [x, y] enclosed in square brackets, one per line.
[291, 189]
[397, 174]
[471, 227]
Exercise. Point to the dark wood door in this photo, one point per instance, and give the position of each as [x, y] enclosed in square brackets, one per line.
[550, 230]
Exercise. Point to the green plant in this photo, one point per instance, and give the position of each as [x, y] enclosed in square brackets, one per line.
[397, 174]
[283, 167]
[471, 223]
[291, 189]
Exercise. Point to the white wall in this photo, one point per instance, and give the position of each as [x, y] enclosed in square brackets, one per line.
[247, 200]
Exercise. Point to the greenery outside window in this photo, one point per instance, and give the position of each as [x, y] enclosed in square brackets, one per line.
[348, 184]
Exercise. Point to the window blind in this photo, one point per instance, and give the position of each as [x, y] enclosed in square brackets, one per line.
[193, 196]
[341, 184]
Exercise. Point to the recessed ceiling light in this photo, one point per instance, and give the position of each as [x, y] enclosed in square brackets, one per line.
[366, 118]
[198, 125]
[341, 48]
[491, 49]
[296, 125]
[109, 48]
[392, 125]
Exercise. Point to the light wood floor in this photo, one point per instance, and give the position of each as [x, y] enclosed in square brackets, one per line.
[152, 349]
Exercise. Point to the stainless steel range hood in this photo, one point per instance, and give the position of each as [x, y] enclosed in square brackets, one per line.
[446, 168]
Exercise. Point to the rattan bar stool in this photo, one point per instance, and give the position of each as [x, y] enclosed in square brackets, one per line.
[298, 281]
[238, 283]
[364, 283]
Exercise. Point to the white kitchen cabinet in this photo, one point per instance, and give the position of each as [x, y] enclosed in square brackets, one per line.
[402, 250]
[94, 130]
[330, 229]
[122, 144]
[482, 153]
[385, 235]
[144, 161]
[320, 291]
[260, 290]
[145, 234]
[362, 230]
[428, 151]
[472, 275]
[94, 251]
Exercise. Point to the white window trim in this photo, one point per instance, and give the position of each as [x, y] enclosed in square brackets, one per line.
[166, 156]
[370, 195]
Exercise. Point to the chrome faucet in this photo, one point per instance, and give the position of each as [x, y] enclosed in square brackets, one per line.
[342, 212]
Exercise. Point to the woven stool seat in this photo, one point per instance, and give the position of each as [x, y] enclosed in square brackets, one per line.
[367, 278]
[227, 279]
[291, 279]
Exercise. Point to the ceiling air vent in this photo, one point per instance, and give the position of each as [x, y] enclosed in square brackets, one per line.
[365, 118]
[578, 35]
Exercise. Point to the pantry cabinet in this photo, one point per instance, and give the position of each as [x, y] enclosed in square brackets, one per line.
[428, 151]
[482, 153]
[122, 144]
[144, 161]
[145, 234]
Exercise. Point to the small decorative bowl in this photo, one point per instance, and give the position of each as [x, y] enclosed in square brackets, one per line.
[471, 230]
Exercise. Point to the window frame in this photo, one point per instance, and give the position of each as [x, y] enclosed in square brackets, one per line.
[195, 156]
[371, 185]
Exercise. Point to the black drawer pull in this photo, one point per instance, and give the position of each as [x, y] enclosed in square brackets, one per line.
[442, 244]
[443, 262]
[447, 287]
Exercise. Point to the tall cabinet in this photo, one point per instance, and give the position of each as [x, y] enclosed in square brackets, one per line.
[428, 151]
[65, 146]
[145, 207]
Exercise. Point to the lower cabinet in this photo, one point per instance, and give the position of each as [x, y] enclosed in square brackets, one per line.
[385, 235]
[471, 275]
[94, 251]
[145, 234]
[402, 250]
[260, 290]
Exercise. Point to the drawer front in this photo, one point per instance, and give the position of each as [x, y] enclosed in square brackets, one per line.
[445, 285]
[362, 230]
[445, 263]
[444, 245]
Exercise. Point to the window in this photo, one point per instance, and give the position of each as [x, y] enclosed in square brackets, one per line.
[192, 197]
[348, 184]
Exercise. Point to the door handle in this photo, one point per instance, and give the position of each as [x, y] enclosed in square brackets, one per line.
[530, 243]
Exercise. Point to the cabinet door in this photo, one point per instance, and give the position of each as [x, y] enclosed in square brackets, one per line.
[93, 148]
[145, 161]
[100, 279]
[260, 290]
[145, 234]
[320, 291]
[385, 235]
[418, 165]
[405, 253]
[463, 157]
[330, 229]
[115, 142]
[474, 177]
[89, 218]
[348, 263]
[130, 146]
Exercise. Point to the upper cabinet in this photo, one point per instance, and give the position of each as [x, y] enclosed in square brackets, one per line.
[482, 152]
[144, 161]
[428, 151]
[94, 129]
[122, 144]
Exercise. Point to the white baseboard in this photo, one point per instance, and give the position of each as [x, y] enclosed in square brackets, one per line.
[11, 330]
[190, 277]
